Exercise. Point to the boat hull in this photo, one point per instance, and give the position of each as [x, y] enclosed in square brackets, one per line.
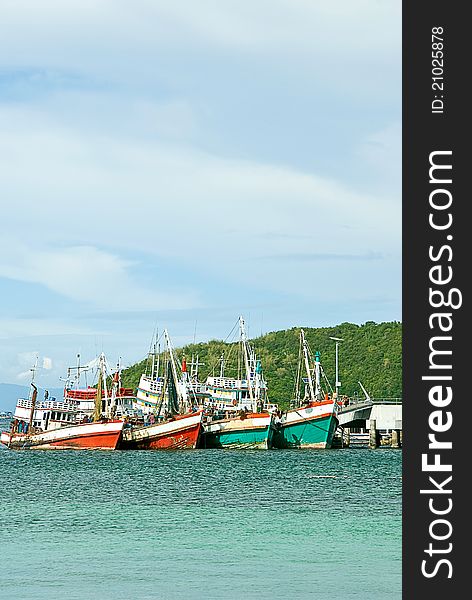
[250, 432]
[308, 427]
[84, 436]
[181, 433]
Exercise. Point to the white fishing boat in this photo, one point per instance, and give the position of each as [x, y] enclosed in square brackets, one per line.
[117, 401]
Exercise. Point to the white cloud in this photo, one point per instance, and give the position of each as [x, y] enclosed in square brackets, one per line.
[18, 327]
[87, 185]
[266, 26]
[24, 375]
[27, 359]
[382, 151]
[136, 132]
[84, 274]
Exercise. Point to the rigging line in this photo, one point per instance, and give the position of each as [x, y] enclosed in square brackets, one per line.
[307, 420]
[326, 379]
[232, 330]
[231, 345]
[147, 358]
[299, 365]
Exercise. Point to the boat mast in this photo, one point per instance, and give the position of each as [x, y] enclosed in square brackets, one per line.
[33, 370]
[78, 371]
[153, 361]
[222, 364]
[116, 384]
[73, 381]
[103, 371]
[33, 405]
[158, 362]
[194, 368]
[246, 362]
[306, 357]
[317, 375]
[33, 393]
[97, 413]
[181, 390]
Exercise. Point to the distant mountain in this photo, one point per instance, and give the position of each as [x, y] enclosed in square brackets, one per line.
[10, 392]
[370, 353]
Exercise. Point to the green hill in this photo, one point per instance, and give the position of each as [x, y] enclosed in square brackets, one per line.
[370, 353]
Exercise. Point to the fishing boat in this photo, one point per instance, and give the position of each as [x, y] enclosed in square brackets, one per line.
[151, 383]
[237, 412]
[175, 422]
[312, 423]
[53, 424]
[117, 401]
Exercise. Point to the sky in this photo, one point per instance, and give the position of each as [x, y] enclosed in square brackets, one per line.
[169, 163]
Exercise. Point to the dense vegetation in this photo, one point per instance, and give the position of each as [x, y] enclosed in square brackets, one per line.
[370, 353]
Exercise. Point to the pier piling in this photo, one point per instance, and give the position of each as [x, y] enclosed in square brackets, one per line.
[347, 438]
[373, 434]
[395, 438]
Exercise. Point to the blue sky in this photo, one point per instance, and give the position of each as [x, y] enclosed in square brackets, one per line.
[178, 163]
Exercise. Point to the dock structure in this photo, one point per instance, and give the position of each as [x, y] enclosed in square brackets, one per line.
[373, 422]
[355, 414]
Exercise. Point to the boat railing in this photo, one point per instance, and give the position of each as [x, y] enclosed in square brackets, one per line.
[88, 394]
[387, 400]
[229, 383]
[47, 404]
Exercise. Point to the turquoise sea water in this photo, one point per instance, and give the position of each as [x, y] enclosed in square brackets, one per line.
[204, 524]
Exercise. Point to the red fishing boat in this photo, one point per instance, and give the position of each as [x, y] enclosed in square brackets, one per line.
[176, 433]
[175, 424]
[63, 424]
[104, 435]
[52, 424]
